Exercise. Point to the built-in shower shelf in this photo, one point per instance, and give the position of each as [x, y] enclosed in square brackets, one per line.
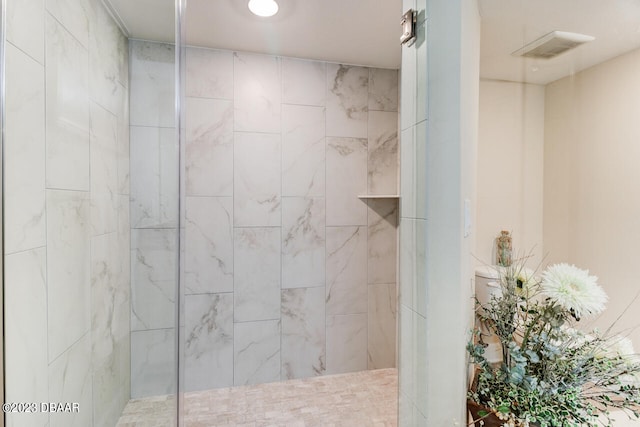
[379, 196]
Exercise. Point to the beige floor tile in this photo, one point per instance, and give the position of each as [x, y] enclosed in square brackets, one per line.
[362, 399]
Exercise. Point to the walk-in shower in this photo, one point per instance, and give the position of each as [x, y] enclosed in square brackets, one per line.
[200, 204]
[184, 218]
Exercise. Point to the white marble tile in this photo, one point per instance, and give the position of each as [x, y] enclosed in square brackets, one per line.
[67, 109]
[25, 27]
[145, 176]
[111, 335]
[123, 264]
[408, 173]
[383, 152]
[346, 179]
[406, 352]
[303, 82]
[303, 333]
[405, 411]
[419, 367]
[153, 278]
[408, 88]
[257, 179]
[169, 178]
[24, 152]
[25, 332]
[209, 341]
[153, 364]
[413, 179]
[123, 61]
[68, 268]
[122, 144]
[303, 242]
[256, 266]
[208, 257]
[303, 151]
[383, 90]
[104, 170]
[107, 58]
[152, 84]
[108, 300]
[347, 100]
[256, 352]
[421, 159]
[407, 261]
[111, 386]
[413, 275]
[256, 93]
[422, 73]
[346, 287]
[346, 343]
[70, 381]
[153, 177]
[382, 240]
[209, 152]
[209, 73]
[419, 416]
[381, 342]
[73, 15]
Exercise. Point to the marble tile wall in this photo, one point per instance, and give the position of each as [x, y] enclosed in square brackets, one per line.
[67, 283]
[288, 273]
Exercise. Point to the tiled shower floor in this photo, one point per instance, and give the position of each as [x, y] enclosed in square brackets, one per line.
[362, 399]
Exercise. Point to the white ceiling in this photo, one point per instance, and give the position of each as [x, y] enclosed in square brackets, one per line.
[366, 32]
[508, 25]
[146, 19]
[362, 32]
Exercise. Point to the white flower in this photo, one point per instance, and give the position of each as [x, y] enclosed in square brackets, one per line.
[525, 281]
[573, 289]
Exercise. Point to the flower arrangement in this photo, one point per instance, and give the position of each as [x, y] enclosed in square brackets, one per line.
[551, 374]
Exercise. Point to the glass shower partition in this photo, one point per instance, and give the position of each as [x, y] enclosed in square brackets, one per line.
[156, 224]
[2, 41]
[180, 110]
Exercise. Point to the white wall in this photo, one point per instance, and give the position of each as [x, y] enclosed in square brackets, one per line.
[510, 167]
[591, 203]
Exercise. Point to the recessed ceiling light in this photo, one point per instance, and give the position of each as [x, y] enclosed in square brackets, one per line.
[263, 7]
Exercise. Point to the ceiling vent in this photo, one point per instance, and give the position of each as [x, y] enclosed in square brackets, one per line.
[552, 45]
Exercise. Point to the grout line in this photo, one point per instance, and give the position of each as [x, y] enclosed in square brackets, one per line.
[61, 24]
[28, 55]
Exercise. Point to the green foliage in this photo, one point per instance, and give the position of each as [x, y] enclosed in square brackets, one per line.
[551, 374]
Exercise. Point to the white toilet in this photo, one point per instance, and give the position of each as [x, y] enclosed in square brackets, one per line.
[487, 278]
